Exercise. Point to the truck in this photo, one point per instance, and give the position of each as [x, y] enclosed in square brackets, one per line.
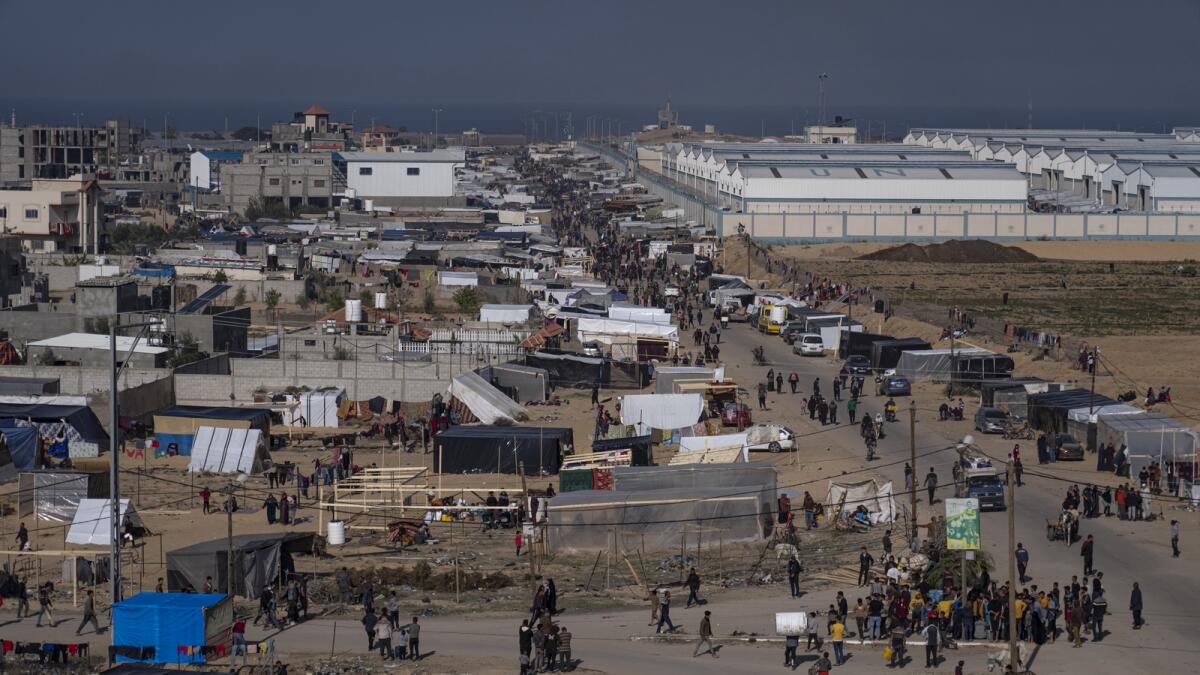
[974, 476]
[771, 318]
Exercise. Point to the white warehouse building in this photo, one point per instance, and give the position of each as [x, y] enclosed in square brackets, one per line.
[400, 175]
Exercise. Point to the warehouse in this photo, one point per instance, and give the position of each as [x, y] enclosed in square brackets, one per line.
[383, 175]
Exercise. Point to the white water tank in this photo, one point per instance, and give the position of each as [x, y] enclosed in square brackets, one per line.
[354, 311]
[778, 314]
[381, 301]
[335, 534]
[272, 249]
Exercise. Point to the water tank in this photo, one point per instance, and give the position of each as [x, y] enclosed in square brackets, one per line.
[778, 314]
[335, 534]
[272, 249]
[381, 301]
[354, 311]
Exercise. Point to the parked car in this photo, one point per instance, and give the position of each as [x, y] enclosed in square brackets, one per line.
[895, 386]
[592, 349]
[990, 420]
[808, 344]
[791, 332]
[736, 415]
[1065, 447]
[857, 364]
[770, 437]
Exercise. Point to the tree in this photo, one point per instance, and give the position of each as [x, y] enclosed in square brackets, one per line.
[271, 299]
[335, 301]
[187, 350]
[250, 134]
[427, 303]
[341, 353]
[366, 297]
[951, 561]
[260, 207]
[239, 298]
[302, 301]
[47, 358]
[467, 300]
[220, 277]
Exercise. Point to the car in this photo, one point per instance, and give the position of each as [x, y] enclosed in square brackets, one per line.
[895, 386]
[591, 349]
[736, 415]
[1066, 448]
[808, 344]
[857, 364]
[790, 332]
[990, 420]
[770, 437]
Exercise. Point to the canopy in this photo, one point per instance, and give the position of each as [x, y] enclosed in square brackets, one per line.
[886, 353]
[259, 559]
[1093, 414]
[458, 278]
[76, 424]
[1148, 434]
[497, 449]
[486, 402]
[604, 330]
[846, 497]
[1048, 411]
[318, 408]
[644, 314]
[932, 364]
[221, 450]
[93, 521]
[662, 411]
[570, 370]
[505, 313]
[179, 424]
[166, 621]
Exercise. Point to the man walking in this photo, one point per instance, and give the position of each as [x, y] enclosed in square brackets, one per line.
[46, 603]
[790, 644]
[693, 584]
[794, 576]
[1086, 550]
[1175, 538]
[1135, 606]
[664, 614]
[1022, 556]
[837, 634]
[933, 640]
[89, 614]
[762, 396]
[852, 409]
[814, 640]
[865, 560]
[931, 481]
[705, 636]
[1099, 609]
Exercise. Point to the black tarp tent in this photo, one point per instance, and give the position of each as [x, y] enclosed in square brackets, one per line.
[1048, 411]
[886, 353]
[570, 370]
[639, 448]
[522, 383]
[258, 559]
[859, 343]
[497, 449]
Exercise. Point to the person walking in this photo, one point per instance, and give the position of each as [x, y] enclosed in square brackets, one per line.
[790, 644]
[1135, 606]
[270, 504]
[664, 614]
[931, 481]
[368, 623]
[1022, 556]
[89, 614]
[1099, 609]
[22, 600]
[1175, 538]
[383, 636]
[865, 560]
[205, 496]
[414, 639]
[693, 585]
[814, 638]
[706, 634]
[517, 541]
[239, 641]
[794, 380]
[762, 396]
[822, 666]
[1086, 550]
[1076, 622]
[852, 409]
[837, 635]
[933, 640]
[794, 576]
[46, 603]
[833, 412]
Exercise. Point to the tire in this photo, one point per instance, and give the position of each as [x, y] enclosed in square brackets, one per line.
[774, 446]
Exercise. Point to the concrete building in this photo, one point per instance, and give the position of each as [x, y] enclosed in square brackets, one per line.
[310, 130]
[205, 168]
[91, 350]
[106, 296]
[54, 215]
[294, 178]
[38, 151]
[832, 133]
[404, 174]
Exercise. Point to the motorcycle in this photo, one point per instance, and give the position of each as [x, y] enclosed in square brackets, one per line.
[760, 357]
[871, 445]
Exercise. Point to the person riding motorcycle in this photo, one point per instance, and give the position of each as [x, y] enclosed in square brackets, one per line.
[866, 426]
[889, 409]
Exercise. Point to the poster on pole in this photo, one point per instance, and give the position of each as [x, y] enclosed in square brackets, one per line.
[962, 524]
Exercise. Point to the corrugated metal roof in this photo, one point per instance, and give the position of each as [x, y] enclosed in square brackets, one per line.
[96, 341]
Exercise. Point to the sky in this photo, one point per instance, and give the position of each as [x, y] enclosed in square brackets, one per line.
[203, 60]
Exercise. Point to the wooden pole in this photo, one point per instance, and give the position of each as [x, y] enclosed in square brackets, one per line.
[608, 560]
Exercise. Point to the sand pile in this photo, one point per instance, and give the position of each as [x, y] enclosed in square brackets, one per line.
[971, 251]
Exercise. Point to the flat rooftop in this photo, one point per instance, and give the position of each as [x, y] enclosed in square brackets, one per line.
[96, 341]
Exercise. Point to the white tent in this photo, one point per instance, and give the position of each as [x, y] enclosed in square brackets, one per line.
[689, 444]
[604, 330]
[486, 402]
[93, 521]
[458, 279]
[662, 411]
[318, 408]
[846, 497]
[222, 450]
[505, 313]
[634, 313]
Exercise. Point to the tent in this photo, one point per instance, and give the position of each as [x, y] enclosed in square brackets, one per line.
[8, 470]
[1048, 411]
[22, 447]
[1081, 422]
[606, 330]
[76, 426]
[988, 390]
[846, 497]
[178, 424]
[570, 370]
[259, 559]
[486, 402]
[521, 383]
[454, 279]
[886, 353]
[318, 408]
[635, 313]
[662, 411]
[505, 313]
[667, 376]
[92, 523]
[497, 449]
[56, 494]
[859, 343]
[222, 450]
[166, 621]
[694, 444]
[931, 364]
[1148, 437]
[639, 448]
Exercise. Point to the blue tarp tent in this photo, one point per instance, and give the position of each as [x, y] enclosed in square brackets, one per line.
[76, 428]
[179, 424]
[168, 621]
[22, 444]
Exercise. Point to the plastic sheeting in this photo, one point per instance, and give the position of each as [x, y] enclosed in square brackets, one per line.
[221, 450]
[505, 313]
[1093, 415]
[526, 382]
[1147, 434]
[846, 497]
[78, 425]
[92, 524]
[690, 444]
[486, 402]
[492, 449]
[1048, 411]
[569, 370]
[931, 364]
[167, 620]
[661, 411]
[258, 560]
[457, 279]
[666, 377]
[655, 315]
[605, 330]
[318, 408]
[55, 495]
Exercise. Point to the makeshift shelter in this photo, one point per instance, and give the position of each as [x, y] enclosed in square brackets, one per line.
[1081, 422]
[178, 424]
[8, 470]
[1048, 411]
[315, 408]
[665, 377]
[859, 343]
[498, 449]
[21, 444]
[168, 621]
[505, 313]
[520, 383]
[92, 524]
[926, 363]
[570, 370]
[846, 497]
[223, 450]
[886, 353]
[1148, 437]
[457, 279]
[636, 313]
[661, 411]
[56, 494]
[638, 446]
[989, 390]
[757, 477]
[703, 444]
[973, 369]
[607, 330]
[487, 403]
[258, 560]
[72, 430]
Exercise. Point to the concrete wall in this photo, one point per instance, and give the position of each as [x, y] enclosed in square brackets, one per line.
[81, 381]
[25, 327]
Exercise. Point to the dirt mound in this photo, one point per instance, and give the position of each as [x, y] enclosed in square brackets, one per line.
[972, 251]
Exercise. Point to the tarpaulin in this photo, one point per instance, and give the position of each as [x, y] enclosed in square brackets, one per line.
[639, 448]
[179, 424]
[92, 523]
[56, 494]
[486, 403]
[318, 408]
[1048, 411]
[604, 330]
[527, 382]
[644, 314]
[569, 370]
[505, 313]
[846, 497]
[221, 450]
[689, 444]
[661, 411]
[82, 430]
[492, 449]
[574, 479]
[259, 559]
[167, 621]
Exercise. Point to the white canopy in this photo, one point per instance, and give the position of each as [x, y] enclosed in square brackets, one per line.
[223, 450]
[458, 279]
[318, 408]
[689, 444]
[604, 330]
[662, 411]
[846, 497]
[505, 313]
[645, 314]
[486, 402]
[1083, 414]
[93, 521]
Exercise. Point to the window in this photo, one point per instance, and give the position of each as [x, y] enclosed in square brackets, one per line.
[310, 343]
[320, 183]
[365, 171]
[274, 181]
[31, 214]
[295, 162]
[414, 171]
[3, 211]
[318, 162]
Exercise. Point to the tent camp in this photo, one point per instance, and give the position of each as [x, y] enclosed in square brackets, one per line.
[846, 497]
[92, 523]
[931, 364]
[1048, 411]
[661, 411]
[521, 383]
[56, 494]
[259, 559]
[224, 450]
[886, 353]
[73, 430]
[166, 621]
[315, 408]
[665, 377]
[498, 449]
[487, 403]
[178, 424]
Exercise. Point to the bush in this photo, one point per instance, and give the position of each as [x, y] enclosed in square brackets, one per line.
[47, 358]
[427, 303]
[220, 277]
[262, 207]
[1188, 270]
[271, 299]
[335, 301]
[341, 353]
[467, 300]
[302, 301]
[239, 298]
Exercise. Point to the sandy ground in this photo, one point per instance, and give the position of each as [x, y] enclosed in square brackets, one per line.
[1103, 251]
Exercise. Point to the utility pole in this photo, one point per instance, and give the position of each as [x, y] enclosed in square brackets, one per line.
[230, 588]
[1092, 397]
[1012, 567]
[912, 450]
